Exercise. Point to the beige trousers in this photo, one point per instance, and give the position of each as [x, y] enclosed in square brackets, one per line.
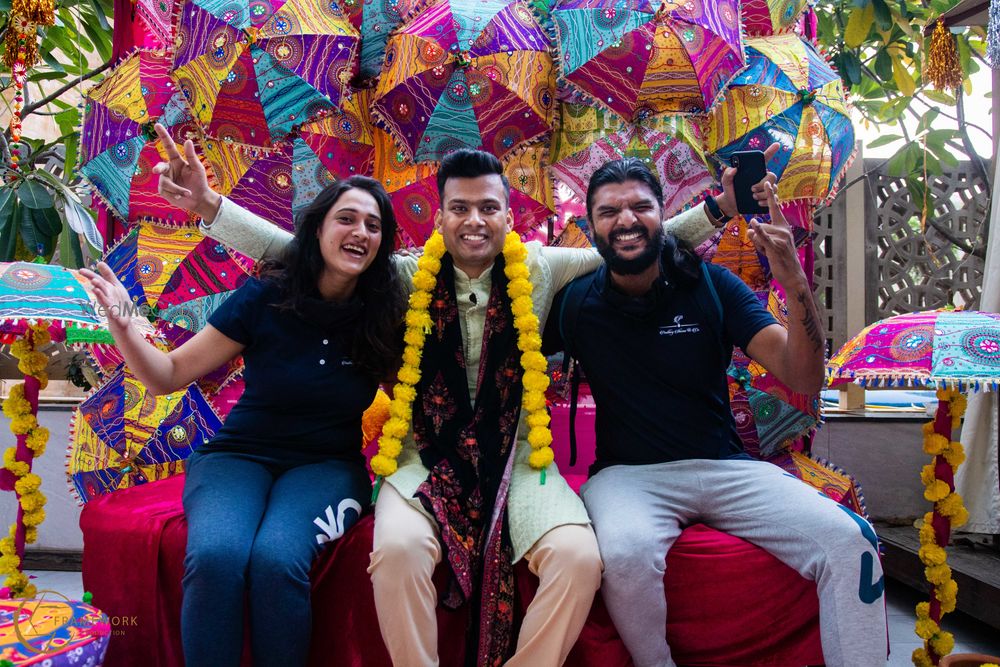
[566, 561]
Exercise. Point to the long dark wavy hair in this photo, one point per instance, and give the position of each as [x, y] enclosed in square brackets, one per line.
[378, 342]
[680, 262]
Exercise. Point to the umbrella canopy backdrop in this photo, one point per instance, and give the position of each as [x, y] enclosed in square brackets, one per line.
[119, 146]
[252, 72]
[122, 435]
[587, 137]
[788, 94]
[643, 57]
[957, 352]
[466, 73]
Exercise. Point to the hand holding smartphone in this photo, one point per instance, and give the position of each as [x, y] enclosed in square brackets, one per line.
[751, 169]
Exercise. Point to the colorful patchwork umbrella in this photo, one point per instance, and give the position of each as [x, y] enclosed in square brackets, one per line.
[957, 351]
[375, 20]
[158, 18]
[943, 348]
[788, 94]
[642, 57]
[32, 292]
[275, 183]
[670, 145]
[123, 436]
[466, 73]
[343, 141]
[413, 190]
[771, 17]
[119, 147]
[253, 71]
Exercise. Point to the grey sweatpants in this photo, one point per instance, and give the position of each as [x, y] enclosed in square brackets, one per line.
[638, 512]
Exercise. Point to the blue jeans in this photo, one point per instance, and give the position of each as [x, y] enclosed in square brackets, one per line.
[255, 525]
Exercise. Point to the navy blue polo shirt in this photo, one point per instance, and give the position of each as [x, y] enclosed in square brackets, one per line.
[303, 395]
[656, 369]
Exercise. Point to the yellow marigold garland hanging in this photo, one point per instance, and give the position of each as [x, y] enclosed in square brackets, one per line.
[27, 485]
[947, 505]
[418, 325]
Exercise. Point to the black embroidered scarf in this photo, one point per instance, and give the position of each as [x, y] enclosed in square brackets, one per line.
[467, 450]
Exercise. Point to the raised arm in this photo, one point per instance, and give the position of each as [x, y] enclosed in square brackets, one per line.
[795, 354]
[183, 182]
[160, 371]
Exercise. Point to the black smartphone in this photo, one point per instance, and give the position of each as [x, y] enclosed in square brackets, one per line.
[750, 170]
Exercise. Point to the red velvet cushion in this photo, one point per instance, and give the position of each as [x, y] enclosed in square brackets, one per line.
[731, 603]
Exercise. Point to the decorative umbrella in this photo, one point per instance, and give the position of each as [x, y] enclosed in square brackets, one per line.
[123, 436]
[791, 95]
[771, 17]
[275, 183]
[413, 190]
[252, 72]
[643, 57]
[343, 141]
[37, 303]
[588, 137]
[158, 18]
[119, 147]
[956, 351]
[375, 20]
[466, 73]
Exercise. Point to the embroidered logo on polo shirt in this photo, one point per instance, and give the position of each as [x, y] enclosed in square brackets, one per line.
[680, 327]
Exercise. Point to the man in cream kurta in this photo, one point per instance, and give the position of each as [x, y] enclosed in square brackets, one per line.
[548, 523]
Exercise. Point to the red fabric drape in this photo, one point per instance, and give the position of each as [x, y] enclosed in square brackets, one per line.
[731, 603]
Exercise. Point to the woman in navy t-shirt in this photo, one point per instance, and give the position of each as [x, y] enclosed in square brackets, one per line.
[284, 475]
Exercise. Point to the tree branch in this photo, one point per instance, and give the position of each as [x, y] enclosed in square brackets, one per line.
[69, 85]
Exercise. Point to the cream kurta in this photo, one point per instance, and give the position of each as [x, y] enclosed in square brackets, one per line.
[533, 508]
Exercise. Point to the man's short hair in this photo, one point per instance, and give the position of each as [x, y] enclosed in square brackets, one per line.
[468, 163]
[620, 171]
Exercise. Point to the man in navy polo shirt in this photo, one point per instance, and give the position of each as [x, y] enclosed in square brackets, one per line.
[655, 340]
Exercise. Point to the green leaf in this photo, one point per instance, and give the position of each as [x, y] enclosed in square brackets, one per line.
[7, 204]
[859, 23]
[70, 254]
[4, 5]
[99, 38]
[918, 192]
[102, 18]
[927, 119]
[850, 67]
[936, 138]
[8, 234]
[80, 220]
[883, 65]
[29, 234]
[897, 164]
[883, 17]
[46, 76]
[938, 96]
[48, 221]
[883, 140]
[34, 195]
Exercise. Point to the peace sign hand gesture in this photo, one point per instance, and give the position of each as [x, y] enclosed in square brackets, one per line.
[183, 181]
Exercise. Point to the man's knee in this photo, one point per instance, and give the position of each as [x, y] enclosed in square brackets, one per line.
[405, 548]
[569, 553]
[629, 553]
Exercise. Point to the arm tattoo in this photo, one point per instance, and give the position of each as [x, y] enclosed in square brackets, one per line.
[809, 321]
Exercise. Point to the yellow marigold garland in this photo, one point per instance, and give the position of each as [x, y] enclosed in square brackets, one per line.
[27, 485]
[418, 325]
[947, 504]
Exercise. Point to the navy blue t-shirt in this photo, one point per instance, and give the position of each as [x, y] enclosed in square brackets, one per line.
[303, 395]
[656, 370]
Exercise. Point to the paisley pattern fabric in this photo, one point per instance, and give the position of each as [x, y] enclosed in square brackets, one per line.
[640, 58]
[788, 94]
[53, 631]
[771, 17]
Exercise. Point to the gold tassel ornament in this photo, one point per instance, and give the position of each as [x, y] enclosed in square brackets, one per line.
[944, 70]
[20, 44]
[41, 12]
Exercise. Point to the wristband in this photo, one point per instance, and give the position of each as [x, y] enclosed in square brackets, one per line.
[716, 212]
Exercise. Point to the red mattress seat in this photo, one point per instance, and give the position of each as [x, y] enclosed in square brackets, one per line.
[731, 603]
